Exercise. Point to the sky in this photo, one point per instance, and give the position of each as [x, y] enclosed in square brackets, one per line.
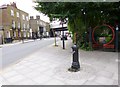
[27, 6]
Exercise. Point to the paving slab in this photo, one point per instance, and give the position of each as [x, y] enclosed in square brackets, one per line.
[49, 66]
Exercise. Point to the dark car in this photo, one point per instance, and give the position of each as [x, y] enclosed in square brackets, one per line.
[65, 37]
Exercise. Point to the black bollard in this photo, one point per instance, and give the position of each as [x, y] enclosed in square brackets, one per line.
[75, 63]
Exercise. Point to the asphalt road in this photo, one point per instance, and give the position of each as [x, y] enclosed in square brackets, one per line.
[13, 53]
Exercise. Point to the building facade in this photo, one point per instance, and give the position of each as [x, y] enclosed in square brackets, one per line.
[14, 23]
[25, 30]
[39, 27]
[1, 28]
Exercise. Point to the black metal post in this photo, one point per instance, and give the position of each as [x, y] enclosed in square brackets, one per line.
[116, 42]
[85, 29]
[90, 37]
[63, 36]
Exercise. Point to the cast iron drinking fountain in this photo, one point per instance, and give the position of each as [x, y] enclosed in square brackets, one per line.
[75, 62]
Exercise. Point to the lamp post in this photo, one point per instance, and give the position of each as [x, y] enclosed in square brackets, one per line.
[62, 22]
[116, 41]
[85, 29]
[63, 37]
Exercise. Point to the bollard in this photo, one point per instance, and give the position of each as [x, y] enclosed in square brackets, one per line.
[75, 63]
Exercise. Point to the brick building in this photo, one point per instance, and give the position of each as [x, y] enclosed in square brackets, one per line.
[39, 27]
[14, 23]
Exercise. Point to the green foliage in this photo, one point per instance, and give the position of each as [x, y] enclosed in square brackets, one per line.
[86, 46]
[82, 15]
[96, 13]
[108, 39]
[103, 31]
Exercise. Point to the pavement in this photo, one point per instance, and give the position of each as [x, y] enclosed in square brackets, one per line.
[17, 42]
[49, 66]
[14, 53]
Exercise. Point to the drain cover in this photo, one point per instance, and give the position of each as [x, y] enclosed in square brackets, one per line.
[86, 71]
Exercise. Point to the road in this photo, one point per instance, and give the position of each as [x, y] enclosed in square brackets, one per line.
[13, 53]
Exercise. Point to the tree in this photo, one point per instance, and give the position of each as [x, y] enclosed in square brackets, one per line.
[81, 15]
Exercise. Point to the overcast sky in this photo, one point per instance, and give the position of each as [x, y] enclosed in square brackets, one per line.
[27, 6]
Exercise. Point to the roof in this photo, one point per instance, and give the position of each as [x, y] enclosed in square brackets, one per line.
[12, 5]
[3, 6]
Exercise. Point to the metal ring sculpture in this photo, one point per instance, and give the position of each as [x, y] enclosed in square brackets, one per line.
[109, 27]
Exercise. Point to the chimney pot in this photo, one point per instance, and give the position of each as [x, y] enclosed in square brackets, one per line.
[31, 17]
[38, 17]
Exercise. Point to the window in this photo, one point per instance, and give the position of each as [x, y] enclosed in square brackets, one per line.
[24, 26]
[7, 34]
[14, 34]
[18, 25]
[41, 23]
[17, 14]
[12, 13]
[24, 34]
[28, 35]
[38, 28]
[13, 24]
[44, 29]
[37, 22]
[23, 17]
[28, 26]
[19, 34]
[27, 18]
